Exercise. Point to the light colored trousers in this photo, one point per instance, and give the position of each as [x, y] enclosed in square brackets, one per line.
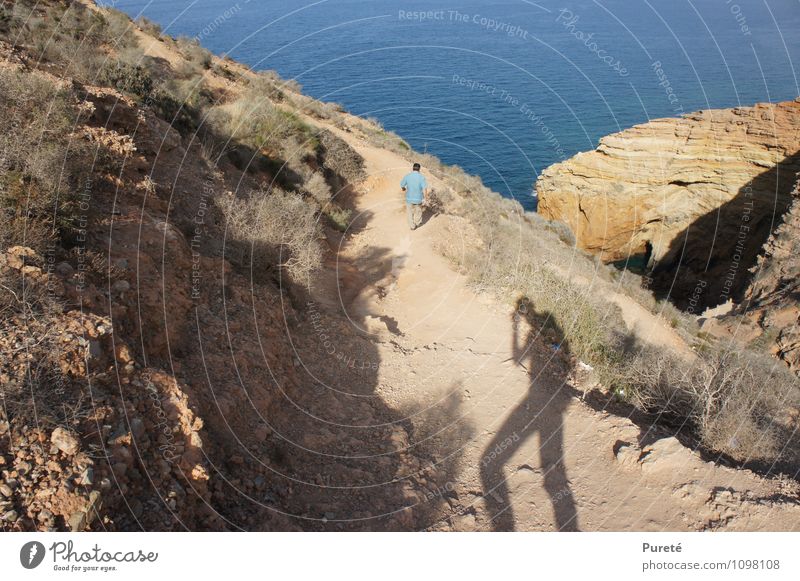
[414, 215]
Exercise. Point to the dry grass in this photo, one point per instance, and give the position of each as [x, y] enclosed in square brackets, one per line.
[276, 227]
[149, 27]
[326, 111]
[133, 79]
[513, 259]
[33, 386]
[379, 137]
[66, 35]
[257, 122]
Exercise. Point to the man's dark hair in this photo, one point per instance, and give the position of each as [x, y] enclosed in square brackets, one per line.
[415, 167]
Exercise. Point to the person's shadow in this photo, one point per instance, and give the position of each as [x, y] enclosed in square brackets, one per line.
[541, 410]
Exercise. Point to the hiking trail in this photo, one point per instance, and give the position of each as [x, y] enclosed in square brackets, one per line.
[499, 410]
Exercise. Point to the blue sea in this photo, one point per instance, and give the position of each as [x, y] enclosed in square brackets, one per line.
[504, 89]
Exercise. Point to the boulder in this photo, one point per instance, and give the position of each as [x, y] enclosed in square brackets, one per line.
[666, 455]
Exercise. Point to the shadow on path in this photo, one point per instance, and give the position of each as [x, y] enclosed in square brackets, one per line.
[539, 412]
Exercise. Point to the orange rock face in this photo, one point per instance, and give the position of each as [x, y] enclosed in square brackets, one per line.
[679, 192]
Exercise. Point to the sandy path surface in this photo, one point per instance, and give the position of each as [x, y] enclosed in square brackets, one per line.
[500, 412]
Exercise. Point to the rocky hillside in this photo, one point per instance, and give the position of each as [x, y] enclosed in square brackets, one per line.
[692, 199]
[148, 374]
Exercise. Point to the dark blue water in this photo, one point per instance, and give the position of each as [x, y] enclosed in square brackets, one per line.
[504, 89]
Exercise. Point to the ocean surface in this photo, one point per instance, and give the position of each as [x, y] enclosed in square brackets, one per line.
[504, 89]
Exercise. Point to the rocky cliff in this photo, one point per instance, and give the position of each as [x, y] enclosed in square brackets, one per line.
[694, 197]
[774, 296]
[769, 315]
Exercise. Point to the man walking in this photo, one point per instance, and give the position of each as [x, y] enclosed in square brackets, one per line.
[416, 188]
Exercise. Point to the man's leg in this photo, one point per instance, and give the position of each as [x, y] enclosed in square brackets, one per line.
[417, 215]
[410, 215]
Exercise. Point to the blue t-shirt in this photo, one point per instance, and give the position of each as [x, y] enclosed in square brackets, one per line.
[414, 183]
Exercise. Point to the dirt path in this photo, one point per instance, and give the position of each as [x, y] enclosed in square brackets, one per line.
[499, 413]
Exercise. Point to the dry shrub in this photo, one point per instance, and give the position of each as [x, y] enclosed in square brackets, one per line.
[39, 167]
[198, 57]
[273, 77]
[513, 256]
[339, 217]
[119, 28]
[340, 159]
[191, 92]
[560, 229]
[35, 386]
[461, 182]
[149, 27]
[380, 137]
[276, 228]
[267, 84]
[592, 327]
[133, 79]
[505, 264]
[734, 400]
[318, 188]
[439, 200]
[737, 403]
[29, 296]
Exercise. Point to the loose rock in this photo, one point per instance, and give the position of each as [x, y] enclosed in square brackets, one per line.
[65, 441]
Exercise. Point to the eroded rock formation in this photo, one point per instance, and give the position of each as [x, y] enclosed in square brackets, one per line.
[694, 197]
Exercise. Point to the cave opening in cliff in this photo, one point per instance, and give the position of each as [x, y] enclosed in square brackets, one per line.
[712, 260]
[638, 263]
